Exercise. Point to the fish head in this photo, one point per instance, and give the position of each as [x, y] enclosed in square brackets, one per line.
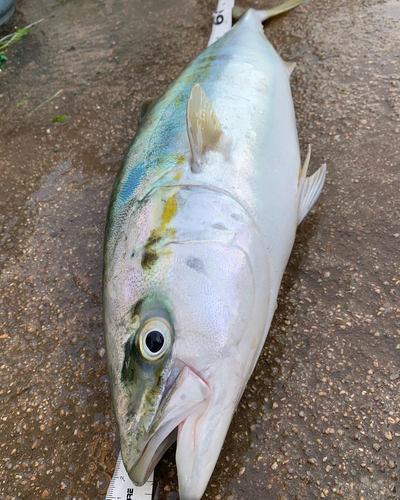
[184, 329]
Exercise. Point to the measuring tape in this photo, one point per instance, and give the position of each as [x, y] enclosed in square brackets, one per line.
[122, 488]
[222, 20]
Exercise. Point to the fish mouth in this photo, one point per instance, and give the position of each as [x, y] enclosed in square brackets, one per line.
[183, 404]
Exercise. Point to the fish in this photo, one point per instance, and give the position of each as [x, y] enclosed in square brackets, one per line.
[201, 223]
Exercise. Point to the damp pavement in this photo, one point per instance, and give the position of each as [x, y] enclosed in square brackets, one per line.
[320, 416]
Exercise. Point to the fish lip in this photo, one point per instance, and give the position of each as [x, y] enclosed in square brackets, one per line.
[188, 393]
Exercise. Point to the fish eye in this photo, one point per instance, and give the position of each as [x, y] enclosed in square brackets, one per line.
[155, 339]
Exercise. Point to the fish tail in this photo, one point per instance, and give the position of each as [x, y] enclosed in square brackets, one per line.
[237, 12]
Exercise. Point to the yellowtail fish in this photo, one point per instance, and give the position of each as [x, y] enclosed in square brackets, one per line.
[201, 224]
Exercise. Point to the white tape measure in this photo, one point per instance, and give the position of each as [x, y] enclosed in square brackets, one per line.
[222, 20]
[122, 488]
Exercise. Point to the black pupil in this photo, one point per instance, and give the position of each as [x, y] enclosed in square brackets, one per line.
[154, 341]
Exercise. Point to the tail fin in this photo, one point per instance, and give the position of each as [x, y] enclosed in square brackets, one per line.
[237, 12]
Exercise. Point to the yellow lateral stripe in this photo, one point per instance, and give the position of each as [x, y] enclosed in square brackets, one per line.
[170, 208]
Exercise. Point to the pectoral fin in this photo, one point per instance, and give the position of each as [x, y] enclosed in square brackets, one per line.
[203, 127]
[309, 187]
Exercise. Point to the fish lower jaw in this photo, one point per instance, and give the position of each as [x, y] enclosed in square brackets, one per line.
[188, 396]
[141, 471]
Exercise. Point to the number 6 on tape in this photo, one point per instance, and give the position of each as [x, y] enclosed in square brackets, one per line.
[222, 20]
[122, 488]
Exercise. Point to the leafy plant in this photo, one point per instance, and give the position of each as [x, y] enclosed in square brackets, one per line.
[3, 58]
[18, 35]
[15, 38]
[60, 119]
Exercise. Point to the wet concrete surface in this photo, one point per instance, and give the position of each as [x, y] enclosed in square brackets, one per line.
[320, 416]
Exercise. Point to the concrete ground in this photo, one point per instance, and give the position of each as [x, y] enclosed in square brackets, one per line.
[320, 416]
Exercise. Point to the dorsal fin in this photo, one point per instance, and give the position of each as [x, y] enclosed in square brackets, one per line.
[144, 108]
[203, 127]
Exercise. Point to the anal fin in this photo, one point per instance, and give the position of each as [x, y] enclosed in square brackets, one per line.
[289, 66]
[309, 187]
